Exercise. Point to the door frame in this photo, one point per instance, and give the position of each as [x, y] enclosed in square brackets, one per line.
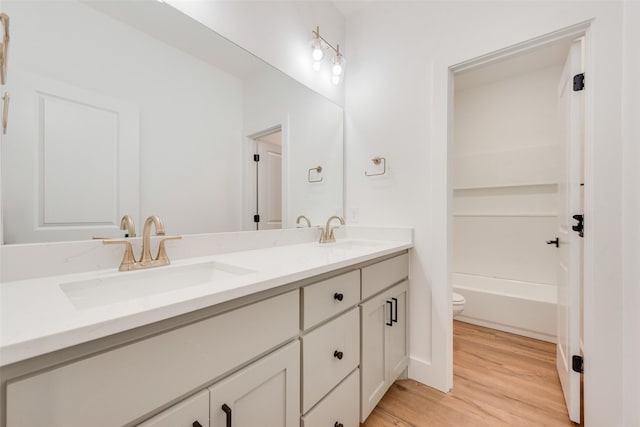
[249, 172]
[582, 29]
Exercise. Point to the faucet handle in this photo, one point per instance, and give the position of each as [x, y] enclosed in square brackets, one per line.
[129, 260]
[162, 251]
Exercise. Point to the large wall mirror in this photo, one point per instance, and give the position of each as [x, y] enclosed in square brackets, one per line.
[131, 107]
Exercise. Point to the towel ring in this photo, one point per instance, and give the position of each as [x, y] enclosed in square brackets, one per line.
[318, 170]
[376, 161]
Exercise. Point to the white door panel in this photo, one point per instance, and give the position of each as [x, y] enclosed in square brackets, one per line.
[78, 168]
[569, 204]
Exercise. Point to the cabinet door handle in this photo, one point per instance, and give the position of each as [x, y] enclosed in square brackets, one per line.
[395, 311]
[390, 322]
[196, 424]
[338, 354]
[227, 411]
[337, 424]
[338, 296]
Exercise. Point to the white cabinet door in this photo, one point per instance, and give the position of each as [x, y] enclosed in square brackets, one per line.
[375, 316]
[265, 393]
[385, 344]
[191, 412]
[399, 332]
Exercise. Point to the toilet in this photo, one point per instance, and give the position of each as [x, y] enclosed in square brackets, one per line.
[458, 304]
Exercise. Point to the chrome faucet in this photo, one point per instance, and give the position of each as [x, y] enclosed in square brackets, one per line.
[126, 223]
[305, 218]
[146, 261]
[326, 235]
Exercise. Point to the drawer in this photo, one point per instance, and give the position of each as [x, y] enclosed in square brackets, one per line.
[185, 414]
[138, 378]
[329, 297]
[341, 406]
[380, 276]
[329, 353]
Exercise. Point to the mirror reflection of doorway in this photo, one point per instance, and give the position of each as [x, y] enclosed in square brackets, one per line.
[268, 162]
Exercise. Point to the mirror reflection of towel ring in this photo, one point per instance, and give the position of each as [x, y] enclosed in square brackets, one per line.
[376, 161]
[318, 170]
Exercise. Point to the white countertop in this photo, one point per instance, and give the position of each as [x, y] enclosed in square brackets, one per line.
[38, 317]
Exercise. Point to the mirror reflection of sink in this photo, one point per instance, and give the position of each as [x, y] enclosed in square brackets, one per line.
[127, 286]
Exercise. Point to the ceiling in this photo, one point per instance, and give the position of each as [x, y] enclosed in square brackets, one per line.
[350, 7]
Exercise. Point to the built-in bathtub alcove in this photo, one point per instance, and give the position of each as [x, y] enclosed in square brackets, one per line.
[506, 162]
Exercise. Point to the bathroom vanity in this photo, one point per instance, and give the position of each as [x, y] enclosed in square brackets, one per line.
[305, 334]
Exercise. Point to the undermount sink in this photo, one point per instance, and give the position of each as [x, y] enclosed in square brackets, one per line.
[136, 284]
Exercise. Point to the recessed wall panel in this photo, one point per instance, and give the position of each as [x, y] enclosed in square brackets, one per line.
[79, 152]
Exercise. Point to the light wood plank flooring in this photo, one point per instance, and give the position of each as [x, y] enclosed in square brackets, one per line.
[500, 379]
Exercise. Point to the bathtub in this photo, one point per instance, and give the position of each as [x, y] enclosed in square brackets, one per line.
[522, 308]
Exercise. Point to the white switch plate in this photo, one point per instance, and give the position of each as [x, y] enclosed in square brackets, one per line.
[354, 215]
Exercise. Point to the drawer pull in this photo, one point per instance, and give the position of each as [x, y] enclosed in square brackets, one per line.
[196, 424]
[338, 296]
[337, 424]
[338, 354]
[227, 411]
[390, 322]
[395, 311]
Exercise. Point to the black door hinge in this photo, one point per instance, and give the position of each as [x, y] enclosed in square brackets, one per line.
[577, 364]
[256, 157]
[578, 82]
[256, 218]
[580, 226]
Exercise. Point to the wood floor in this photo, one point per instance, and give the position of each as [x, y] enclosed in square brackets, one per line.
[499, 379]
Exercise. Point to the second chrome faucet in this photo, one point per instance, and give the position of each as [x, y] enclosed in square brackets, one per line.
[129, 261]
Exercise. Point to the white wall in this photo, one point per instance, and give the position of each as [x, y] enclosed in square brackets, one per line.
[312, 136]
[506, 139]
[190, 112]
[277, 32]
[397, 106]
[631, 213]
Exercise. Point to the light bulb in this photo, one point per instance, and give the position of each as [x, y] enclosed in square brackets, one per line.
[317, 52]
[338, 65]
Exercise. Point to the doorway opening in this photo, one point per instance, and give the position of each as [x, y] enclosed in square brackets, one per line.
[517, 158]
[267, 158]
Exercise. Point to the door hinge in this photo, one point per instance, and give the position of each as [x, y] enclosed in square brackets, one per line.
[579, 228]
[578, 82]
[256, 218]
[577, 364]
[256, 157]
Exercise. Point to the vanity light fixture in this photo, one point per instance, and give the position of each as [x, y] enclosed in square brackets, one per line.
[318, 46]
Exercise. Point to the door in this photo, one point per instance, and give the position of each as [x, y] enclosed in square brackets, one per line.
[265, 393]
[570, 246]
[77, 173]
[385, 344]
[398, 333]
[269, 181]
[375, 316]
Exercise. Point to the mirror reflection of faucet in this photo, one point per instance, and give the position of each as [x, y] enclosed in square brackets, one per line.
[126, 223]
[301, 217]
[327, 235]
[129, 261]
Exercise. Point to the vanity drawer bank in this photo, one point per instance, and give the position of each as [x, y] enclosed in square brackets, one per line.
[293, 354]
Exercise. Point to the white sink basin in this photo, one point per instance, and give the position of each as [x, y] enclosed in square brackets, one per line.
[136, 284]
